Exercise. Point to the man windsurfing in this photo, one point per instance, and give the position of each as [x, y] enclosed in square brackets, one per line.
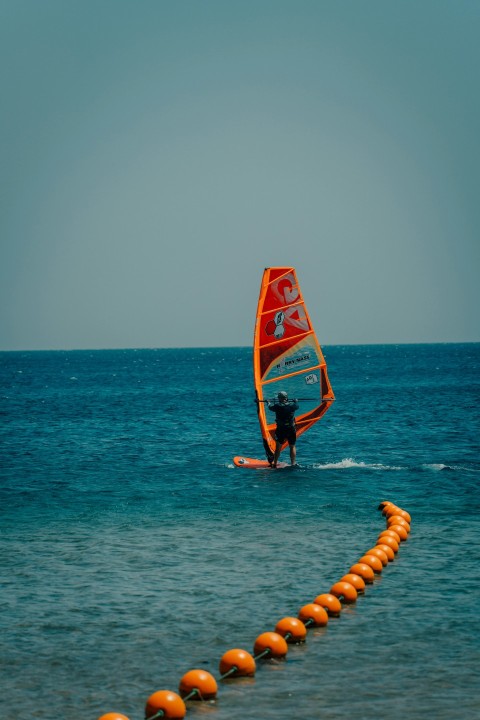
[284, 410]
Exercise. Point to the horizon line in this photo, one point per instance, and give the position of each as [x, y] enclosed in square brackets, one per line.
[231, 347]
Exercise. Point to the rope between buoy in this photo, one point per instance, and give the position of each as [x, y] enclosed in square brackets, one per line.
[192, 693]
[159, 714]
[267, 651]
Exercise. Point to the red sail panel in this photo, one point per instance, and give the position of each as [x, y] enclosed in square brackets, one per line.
[290, 321]
[282, 289]
[287, 355]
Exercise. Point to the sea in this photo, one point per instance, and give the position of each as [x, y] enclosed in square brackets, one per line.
[133, 550]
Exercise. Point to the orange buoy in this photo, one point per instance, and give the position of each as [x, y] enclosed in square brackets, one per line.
[237, 663]
[383, 557]
[384, 504]
[390, 533]
[386, 509]
[200, 684]
[355, 580]
[330, 603]
[390, 541]
[397, 520]
[292, 629]
[392, 511]
[313, 614]
[401, 531]
[345, 591]
[389, 552]
[365, 571]
[169, 703]
[113, 716]
[374, 562]
[273, 642]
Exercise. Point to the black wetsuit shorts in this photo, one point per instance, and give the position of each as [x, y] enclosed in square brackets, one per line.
[283, 433]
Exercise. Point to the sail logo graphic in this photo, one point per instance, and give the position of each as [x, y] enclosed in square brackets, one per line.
[276, 327]
[311, 379]
[286, 289]
[294, 317]
[292, 362]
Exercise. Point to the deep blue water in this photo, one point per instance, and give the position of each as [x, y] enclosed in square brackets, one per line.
[132, 550]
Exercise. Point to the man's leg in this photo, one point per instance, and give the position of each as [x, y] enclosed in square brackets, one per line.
[278, 448]
[293, 454]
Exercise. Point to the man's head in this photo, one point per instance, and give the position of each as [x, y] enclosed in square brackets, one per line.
[282, 396]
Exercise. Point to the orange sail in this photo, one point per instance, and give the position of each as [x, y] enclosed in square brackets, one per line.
[287, 355]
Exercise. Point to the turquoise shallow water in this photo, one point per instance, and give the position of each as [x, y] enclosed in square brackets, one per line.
[132, 550]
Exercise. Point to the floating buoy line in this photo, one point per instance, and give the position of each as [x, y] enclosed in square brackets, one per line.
[201, 685]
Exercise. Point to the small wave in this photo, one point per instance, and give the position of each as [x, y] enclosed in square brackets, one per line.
[347, 463]
[436, 466]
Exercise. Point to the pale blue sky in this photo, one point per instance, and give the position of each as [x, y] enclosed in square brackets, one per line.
[156, 156]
